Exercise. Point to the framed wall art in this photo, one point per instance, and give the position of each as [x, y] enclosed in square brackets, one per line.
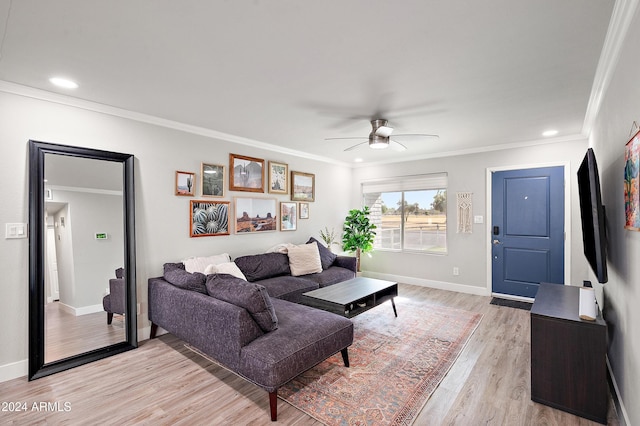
[211, 180]
[246, 173]
[255, 215]
[632, 184]
[302, 186]
[185, 183]
[303, 211]
[208, 218]
[278, 175]
[288, 216]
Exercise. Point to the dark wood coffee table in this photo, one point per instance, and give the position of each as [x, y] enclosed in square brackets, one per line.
[352, 297]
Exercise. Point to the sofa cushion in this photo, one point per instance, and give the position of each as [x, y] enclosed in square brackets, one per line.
[225, 268]
[333, 275]
[288, 288]
[183, 279]
[326, 256]
[261, 266]
[304, 259]
[253, 297]
[199, 264]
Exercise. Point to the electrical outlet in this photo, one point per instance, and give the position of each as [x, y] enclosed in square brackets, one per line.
[456, 271]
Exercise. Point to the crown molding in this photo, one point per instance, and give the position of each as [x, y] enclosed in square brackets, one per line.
[621, 18]
[43, 95]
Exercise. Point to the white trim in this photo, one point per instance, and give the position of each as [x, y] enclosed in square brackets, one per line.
[617, 391]
[83, 310]
[621, 18]
[88, 190]
[441, 285]
[567, 214]
[43, 95]
[14, 370]
[478, 150]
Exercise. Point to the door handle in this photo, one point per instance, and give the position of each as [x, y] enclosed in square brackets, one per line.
[496, 242]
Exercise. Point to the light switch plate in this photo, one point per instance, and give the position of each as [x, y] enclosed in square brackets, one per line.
[478, 219]
[16, 230]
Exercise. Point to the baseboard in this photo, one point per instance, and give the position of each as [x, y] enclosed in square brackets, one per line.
[620, 408]
[440, 285]
[83, 310]
[14, 370]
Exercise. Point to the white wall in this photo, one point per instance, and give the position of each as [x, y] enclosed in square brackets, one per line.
[162, 219]
[469, 252]
[620, 108]
[91, 262]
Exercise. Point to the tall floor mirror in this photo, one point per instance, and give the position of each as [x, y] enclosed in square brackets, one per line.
[82, 291]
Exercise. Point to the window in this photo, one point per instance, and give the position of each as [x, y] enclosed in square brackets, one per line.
[410, 212]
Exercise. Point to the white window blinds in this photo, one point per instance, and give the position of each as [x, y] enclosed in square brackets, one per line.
[406, 183]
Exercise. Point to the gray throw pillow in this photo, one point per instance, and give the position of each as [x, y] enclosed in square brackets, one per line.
[253, 297]
[177, 276]
[326, 256]
[262, 266]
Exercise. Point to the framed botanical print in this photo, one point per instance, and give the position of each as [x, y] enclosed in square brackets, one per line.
[255, 215]
[278, 176]
[246, 173]
[288, 216]
[302, 186]
[185, 183]
[211, 180]
[208, 218]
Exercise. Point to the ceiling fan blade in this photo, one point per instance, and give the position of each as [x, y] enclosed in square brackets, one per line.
[355, 146]
[334, 139]
[384, 131]
[397, 146]
[418, 135]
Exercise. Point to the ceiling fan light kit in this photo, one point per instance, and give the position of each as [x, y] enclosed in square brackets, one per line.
[379, 137]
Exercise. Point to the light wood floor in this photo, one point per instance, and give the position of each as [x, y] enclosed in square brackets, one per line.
[67, 334]
[162, 382]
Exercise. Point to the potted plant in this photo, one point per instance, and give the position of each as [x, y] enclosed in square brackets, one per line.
[329, 237]
[358, 233]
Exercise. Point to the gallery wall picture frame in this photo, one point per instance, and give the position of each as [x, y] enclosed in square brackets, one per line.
[288, 216]
[212, 180]
[303, 211]
[632, 183]
[208, 218]
[246, 173]
[278, 178]
[255, 215]
[302, 186]
[185, 183]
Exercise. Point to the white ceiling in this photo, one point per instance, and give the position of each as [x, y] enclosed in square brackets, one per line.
[291, 73]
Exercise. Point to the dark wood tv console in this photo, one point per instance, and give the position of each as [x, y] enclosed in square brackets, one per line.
[568, 365]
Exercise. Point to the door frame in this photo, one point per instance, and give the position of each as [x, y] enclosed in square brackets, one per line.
[567, 220]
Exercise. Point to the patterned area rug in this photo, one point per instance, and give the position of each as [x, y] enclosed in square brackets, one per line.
[396, 364]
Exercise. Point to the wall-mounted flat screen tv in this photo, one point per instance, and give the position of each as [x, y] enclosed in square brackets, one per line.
[592, 213]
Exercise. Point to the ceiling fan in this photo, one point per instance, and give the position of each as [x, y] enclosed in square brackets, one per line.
[380, 137]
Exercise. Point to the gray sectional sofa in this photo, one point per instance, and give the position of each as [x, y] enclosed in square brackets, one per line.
[254, 328]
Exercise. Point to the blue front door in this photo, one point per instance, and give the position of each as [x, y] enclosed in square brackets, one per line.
[527, 230]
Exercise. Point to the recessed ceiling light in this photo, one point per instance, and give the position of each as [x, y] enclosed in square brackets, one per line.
[549, 133]
[358, 160]
[64, 83]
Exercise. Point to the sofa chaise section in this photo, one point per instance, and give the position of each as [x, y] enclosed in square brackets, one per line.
[229, 334]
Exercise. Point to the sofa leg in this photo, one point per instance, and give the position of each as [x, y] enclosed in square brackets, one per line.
[109, 317]
[154, 330]
[345, 357]
[273, 405]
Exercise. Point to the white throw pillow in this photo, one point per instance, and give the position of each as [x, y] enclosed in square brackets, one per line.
[304, 259]
[199, 264]
[225, 268]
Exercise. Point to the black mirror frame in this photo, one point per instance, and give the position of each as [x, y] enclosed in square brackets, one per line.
[37, 366]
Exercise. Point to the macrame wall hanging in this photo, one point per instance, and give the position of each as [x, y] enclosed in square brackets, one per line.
[464, 203]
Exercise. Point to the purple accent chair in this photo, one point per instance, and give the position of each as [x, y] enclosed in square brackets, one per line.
[114, 302]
